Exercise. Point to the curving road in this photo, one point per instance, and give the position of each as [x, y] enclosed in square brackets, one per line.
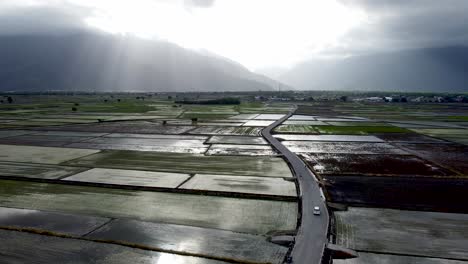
[311, 238]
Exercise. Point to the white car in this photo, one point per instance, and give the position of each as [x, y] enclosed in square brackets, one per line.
[316, 210]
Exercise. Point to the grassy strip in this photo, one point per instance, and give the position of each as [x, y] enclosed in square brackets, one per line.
[359, 130]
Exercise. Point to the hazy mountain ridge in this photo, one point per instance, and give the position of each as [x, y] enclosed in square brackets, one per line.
[103, 62]
[236, 69]
[443, 69]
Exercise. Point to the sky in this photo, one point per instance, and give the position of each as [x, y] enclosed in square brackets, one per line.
[256, 33]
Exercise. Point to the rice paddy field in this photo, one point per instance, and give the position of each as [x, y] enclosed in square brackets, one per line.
[122, 178]
[395, 176]
[141, 180]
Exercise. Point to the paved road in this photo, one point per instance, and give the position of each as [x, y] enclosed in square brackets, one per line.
[312, 234]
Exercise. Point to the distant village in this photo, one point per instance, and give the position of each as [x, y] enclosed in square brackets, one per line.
[364, 97]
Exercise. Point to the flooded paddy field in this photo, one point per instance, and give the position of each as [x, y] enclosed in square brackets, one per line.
[235, 214]
[296, 129]
[151, 181]
[45, 155]
[358, 130]
[427, 124]
[157, 181]
[235, 131]
[44, 140]
[259, 123]
[143, 144]
[301, 117]
[39, 171]
[349, 123]
[452, 156]
[402, 167]
[69, 224]
[326, 129]
[222, 244]
[156, 136]
[237, 140]
[343, 147]
[242, 184]
[455, 135]
[130, 177]
[408, 138]
[244, 150]
[404, 233]
[244, 116]
[272, 117]
[12, 133]
[224, 185]
[329, 138]
[186, 163]
[136, 127]
[290, 121]
[205, 123]
[373, 164]
[33, 248]
[371, 258]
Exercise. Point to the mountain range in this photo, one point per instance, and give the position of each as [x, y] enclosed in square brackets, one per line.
[90, 61]
[101, 62]
[439, 69]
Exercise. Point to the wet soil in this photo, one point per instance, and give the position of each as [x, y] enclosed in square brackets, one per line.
[357, 164]
[431, 194]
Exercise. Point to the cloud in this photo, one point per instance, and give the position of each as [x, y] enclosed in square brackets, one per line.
[199, 3]
[401, 24]
[257, 33]
[40, 17]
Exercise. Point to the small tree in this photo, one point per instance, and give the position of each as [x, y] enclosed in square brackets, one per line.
[10, 100]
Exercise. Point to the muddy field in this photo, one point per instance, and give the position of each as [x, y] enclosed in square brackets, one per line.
[428, 193]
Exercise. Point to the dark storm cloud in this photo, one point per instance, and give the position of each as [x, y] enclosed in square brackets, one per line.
[400, 24]
[41, 19]
[392, 24]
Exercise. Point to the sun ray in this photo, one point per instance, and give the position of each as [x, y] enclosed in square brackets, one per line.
[255, 33]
